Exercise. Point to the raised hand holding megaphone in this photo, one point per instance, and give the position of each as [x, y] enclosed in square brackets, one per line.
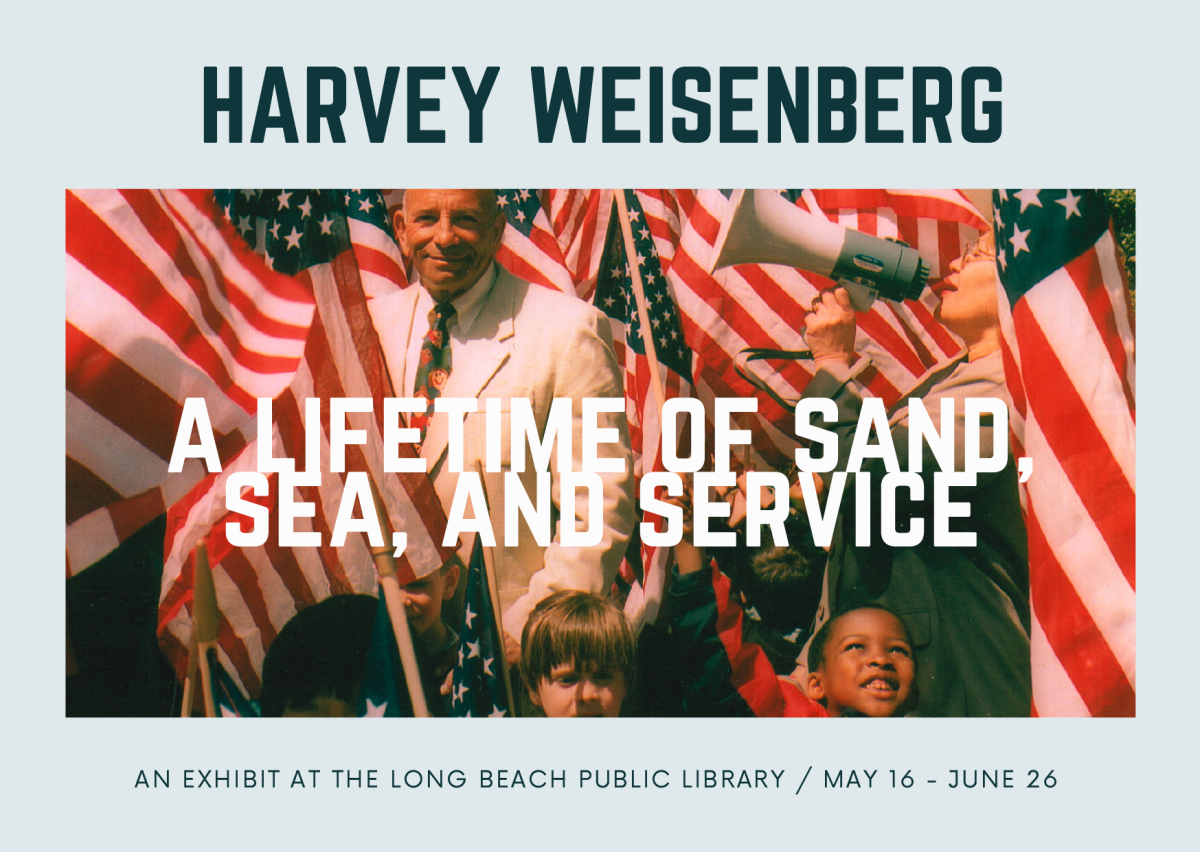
[830, 327]
[766, 228]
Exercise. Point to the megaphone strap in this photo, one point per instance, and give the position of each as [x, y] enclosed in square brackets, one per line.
[743, 359]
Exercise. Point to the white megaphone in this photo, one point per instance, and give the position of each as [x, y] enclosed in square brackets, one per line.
[767, 228]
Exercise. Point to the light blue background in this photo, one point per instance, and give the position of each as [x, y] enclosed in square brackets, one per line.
[110, 95]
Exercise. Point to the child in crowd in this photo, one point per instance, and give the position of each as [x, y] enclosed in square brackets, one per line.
[777, 588]
[423, 606]
[780, 592]
[314, 667]
[860, 662]
[576, 656]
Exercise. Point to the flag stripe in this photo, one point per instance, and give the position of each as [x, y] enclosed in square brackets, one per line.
[85, 490]
[1083, 270]
[1098, 479]
[1058, 319]
[377, 252]
[374, 262]
[520, 266]
[283, 562]
[201, 512]
[1085, 655]
[1054, 693]
[939, 204]
[92, 536]
[224, 306]
[244, 583]
[587, 227]
[100, 446]
[125, 273]
[105, 316]
[131, 515]
[1080, 549]
[105, 383]
[585, 240]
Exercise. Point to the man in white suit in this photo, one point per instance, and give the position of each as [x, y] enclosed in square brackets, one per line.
[508, 339]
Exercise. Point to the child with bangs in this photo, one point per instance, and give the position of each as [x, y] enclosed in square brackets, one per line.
[577, 652]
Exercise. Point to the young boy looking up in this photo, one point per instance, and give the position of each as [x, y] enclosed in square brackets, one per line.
[861, 663]
[577, 656]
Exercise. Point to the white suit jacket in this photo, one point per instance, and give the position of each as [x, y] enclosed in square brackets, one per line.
[526, 342]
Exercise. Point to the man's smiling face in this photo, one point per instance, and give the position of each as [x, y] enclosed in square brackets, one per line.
[450, 235]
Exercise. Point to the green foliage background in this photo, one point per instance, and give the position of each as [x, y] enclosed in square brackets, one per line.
[1123, 202]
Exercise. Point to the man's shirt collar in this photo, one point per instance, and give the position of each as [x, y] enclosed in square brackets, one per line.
[467, 306]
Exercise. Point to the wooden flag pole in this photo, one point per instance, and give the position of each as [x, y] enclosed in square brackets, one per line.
[210, 708]
[190, 681]
[206, 623]
[489, 567]
[393, 596]
[639, 293]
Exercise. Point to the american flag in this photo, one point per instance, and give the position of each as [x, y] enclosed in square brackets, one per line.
[644, 571]
[477, 688]
[308, 233]
[1069, 363]
[383, 674]
[147, 272]
[764, 305]
[162, 303]
[228, 699]
[529, 249]
[579, 219]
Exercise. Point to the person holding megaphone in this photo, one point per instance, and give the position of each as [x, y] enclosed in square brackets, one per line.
[966, 608]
